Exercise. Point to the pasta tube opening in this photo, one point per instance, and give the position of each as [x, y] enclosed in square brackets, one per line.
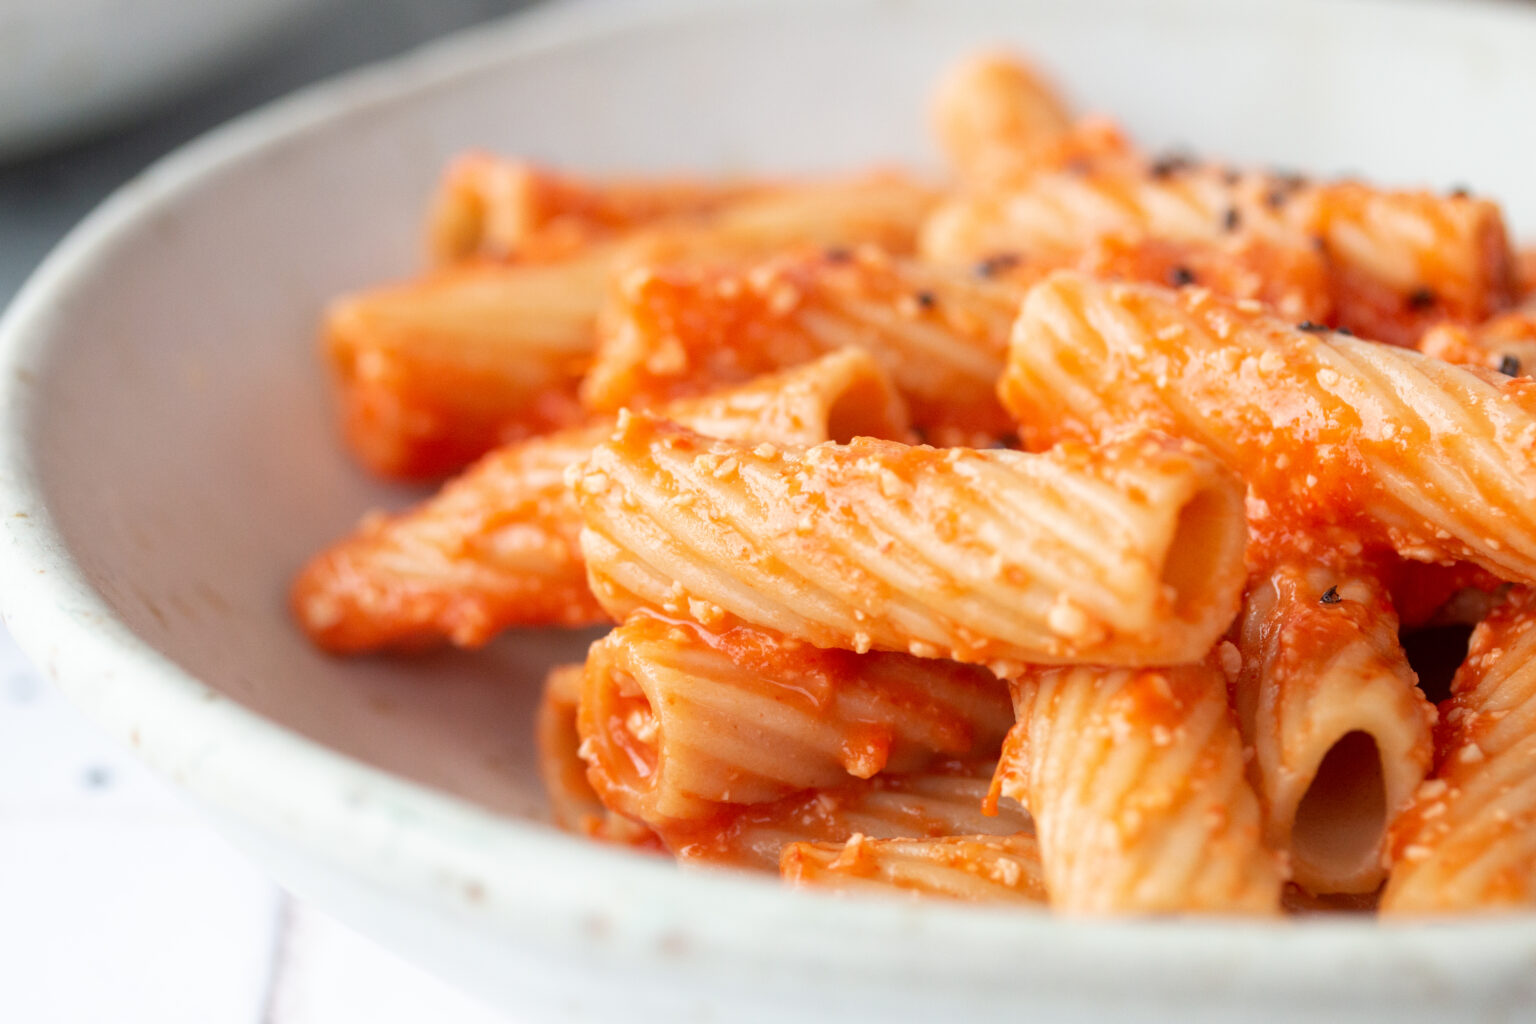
[1207, 537]
[629, 755]
[573, 804]
[940, 332]
[863, 409]
[1339, 729]
[1343, 814]
[677, 720]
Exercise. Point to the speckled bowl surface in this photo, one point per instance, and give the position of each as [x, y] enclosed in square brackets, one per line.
[168, 459]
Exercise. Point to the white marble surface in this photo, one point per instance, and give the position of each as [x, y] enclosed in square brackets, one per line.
[117, 904]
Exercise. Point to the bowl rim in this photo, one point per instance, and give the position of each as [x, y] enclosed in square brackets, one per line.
[522, 878]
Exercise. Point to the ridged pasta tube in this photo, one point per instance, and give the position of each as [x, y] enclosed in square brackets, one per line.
[1135, 779]
[1402, 261]
[676, 719]
[437, 371]
[945, 800]
[499, 546]
[1130, 553]
[1338, 726]
[976, 869]
[942, 334]
[494, 207]
[991, 112]
[431, 373]
[1469, 840]
[1506, 343]
[1396, 261]
[1054, 216]
[1384, 445]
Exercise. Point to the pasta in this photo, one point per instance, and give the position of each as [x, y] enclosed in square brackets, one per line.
[1056, 213]
[1506, 343]
[942, 335]
[1388, 264]
[979, 869]
[1338, 726]
[1135, 781]
[1129, 554]
[574, 804]
[432, 373]
[676, 719]
[499, 546]
[946, 800]
[992, 113]
[1525, 274]
[488, 207]
[1404, 260]
[1433, 461]
[1093, 532]
[1469, 841]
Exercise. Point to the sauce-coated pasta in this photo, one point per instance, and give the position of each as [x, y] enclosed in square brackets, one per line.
[1054, 535]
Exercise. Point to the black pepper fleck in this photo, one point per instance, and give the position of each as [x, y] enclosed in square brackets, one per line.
[1171, 164]
[1421, 299]
[994, 265]
[926, 299]
[1231, 219]
[1276, 198]
[838, 254]
[1311, 327]
[1460, 192]
[1509, 366]
[1331, 596]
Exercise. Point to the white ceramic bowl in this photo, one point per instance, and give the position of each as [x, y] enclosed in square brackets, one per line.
[167, 460]
[68, 66]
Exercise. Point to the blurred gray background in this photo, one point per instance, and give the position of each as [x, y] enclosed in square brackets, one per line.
[43, 195]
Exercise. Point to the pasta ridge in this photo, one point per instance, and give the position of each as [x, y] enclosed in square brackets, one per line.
[1340, 731]
[805, 525]
[1136, 781]
[500, 545]
[1329, 431]
[676, 719]
[1467, 840]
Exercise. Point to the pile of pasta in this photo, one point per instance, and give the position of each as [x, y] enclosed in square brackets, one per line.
[1051, 535]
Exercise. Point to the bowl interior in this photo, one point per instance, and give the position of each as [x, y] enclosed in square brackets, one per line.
[177, 421]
